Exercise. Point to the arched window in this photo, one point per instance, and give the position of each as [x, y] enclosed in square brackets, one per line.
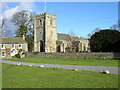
[81, 46]
[41, 46]
[50, 22]
[84, 47]
[40, 22]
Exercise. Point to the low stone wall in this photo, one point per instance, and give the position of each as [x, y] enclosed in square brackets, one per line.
[76, 55]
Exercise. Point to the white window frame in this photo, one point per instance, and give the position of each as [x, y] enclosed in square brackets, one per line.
[3, 46]
[20, 46]
[13, 46]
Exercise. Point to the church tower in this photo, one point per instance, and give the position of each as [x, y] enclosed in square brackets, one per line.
[45, 33]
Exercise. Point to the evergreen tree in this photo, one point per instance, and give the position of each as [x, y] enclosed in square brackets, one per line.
[105, 41]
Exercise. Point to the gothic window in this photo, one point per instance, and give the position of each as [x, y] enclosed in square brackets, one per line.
[41, 46]
[50, 22]
[84, 48]
[40, 22]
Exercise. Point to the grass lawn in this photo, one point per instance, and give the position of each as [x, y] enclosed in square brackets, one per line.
[35, 77]
[0, 66]
[5, 66]
[89, 62]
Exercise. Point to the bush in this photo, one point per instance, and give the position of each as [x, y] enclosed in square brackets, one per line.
[24, 53]
[17, 55]
[105, 41]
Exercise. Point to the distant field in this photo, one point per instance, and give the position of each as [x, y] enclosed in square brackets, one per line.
[35, 77]
[89, 62]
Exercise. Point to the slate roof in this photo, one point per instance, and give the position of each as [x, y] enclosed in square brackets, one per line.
[79, 38]
[61, 36]
[12, 41]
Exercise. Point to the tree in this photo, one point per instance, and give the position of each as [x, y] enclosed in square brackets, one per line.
[119, 25]
[114, 27]
[71, 33]
[105, 41]
[95, 30]
[22, 30]
[24, 20]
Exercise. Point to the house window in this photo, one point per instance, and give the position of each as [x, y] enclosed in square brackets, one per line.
[3, 46]
[20, 46]
[13, 46]
[3, 54]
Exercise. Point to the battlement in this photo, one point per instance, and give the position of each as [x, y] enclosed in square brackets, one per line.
[47, 14]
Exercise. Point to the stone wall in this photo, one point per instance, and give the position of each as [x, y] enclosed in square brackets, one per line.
[45, 33]
[77, 55]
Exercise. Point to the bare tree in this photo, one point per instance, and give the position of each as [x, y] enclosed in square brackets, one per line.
[119, 25]
[71, 33]
[25, 18]
[114, 27]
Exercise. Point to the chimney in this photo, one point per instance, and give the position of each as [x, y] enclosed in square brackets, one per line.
[23, 37]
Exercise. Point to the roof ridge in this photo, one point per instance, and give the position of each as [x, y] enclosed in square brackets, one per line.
[12, 40]
[63, 33]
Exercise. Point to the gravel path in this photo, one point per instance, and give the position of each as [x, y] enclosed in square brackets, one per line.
[113, 70]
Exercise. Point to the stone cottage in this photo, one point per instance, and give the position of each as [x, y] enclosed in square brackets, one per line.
[9, 47]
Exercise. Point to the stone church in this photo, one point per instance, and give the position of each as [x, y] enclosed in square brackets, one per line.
[46, 38]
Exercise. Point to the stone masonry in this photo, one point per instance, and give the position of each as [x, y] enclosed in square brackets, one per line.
[46, 38]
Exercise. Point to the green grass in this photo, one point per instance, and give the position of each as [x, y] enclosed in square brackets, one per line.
[89, 62]
[5, 66]
[35, 77]
[0, 66]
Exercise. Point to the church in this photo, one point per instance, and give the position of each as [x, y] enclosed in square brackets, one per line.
[47, 39]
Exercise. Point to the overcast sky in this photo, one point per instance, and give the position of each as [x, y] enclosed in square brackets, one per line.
[80, 17]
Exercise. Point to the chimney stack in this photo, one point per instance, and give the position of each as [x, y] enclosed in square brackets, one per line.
[23, 37]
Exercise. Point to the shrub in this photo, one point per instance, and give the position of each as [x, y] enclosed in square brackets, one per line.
[17, 55]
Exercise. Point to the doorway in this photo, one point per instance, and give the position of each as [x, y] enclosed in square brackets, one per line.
[41, 46]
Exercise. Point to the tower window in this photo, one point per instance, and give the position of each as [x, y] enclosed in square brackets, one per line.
[40, 22]
[50, 22]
